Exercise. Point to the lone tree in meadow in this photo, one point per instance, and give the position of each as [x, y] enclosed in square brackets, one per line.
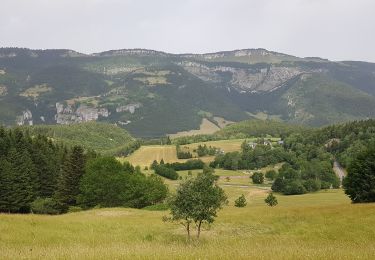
[359, 184]
[257, 178]
[240, 202]
[271, 200]
[197, 201]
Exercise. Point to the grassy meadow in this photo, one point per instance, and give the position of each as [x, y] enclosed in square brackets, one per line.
[145, 155]
[323, 225]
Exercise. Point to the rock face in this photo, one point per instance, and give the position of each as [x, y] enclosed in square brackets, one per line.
[130, 108]
[264, 79]
[26, 118]
[68, 115]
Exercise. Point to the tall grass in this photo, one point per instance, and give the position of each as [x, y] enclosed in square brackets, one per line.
[321, 225]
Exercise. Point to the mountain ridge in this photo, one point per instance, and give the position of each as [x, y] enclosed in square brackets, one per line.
[153, 93]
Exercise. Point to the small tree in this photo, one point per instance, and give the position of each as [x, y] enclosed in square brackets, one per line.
[153, 165]
[271, 200]
[257, 177]
[197, 201]
[240, 202]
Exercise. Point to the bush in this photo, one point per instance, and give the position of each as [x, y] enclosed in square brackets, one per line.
[74, 209]
[271, 175]
[271, 200]
[47, 206]
[166, 172]
[312, 185]
[106, 183]
[193, 164]
[294, 187]
[240, 202]
[257, 177]
[278, 185]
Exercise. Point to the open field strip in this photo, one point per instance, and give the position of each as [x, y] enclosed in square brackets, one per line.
[145, 155]
[322, 225]
[206, 127]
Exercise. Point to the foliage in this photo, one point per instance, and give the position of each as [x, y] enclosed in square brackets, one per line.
[47, 206]
[107, 183]
[192, 164]
[103, 138]
[29, 167]
[204, 150]
[182, 154]
[360, 183]
[197, 200]
[257, 178]
[271, 175]
[271, 200]
[240, 202]
[68, 182]
[166, 172]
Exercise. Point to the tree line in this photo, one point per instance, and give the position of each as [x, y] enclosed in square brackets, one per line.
[38, 175]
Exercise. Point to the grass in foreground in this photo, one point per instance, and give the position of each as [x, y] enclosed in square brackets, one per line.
[321, 225]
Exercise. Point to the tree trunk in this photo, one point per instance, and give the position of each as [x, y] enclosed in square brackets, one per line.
[188, 229]
[199, 228]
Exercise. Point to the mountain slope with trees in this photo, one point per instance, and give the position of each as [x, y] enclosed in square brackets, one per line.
[153, 93]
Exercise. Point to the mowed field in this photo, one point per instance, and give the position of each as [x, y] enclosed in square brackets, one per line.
[323, 225]
[145, 155]
[206, 127]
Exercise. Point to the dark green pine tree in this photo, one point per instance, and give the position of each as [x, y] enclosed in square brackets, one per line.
[6, 186]
[23, 181]
[47, 164]
[72, 170]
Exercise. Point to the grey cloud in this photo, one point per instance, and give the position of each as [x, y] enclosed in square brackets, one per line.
[334, 29]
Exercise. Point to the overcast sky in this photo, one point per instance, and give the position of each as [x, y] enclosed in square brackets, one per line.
[334, 29]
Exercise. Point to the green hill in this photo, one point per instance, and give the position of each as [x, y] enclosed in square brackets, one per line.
[103, 138]
[151, 93]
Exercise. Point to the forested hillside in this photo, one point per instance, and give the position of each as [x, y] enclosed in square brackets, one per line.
[153, 93]
[41, 176]
[102, 138]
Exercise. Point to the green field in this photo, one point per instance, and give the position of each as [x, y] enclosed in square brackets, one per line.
[145, 155]
[320, 225]
[323, 225]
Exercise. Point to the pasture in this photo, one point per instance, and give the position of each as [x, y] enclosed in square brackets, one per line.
[206, 127]
[145, 155]
[322, 225]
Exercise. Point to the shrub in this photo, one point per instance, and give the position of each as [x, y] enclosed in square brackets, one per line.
[271, 200]
[312, 185]
[166, 172]
[271, 175]
[47, 206]
[257, 177]
[74, 209]
[240, 202]
[294, 187]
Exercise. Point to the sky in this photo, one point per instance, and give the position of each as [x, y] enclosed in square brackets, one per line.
[333, 29]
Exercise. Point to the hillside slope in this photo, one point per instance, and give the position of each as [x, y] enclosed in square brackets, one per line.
[102, 138]
[153, 93]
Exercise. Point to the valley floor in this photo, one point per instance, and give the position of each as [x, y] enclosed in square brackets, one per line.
[322, 225]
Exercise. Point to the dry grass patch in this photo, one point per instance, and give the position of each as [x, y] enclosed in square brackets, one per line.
[145, 155]
[206, 127]
[3, 90]
[36, 91]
